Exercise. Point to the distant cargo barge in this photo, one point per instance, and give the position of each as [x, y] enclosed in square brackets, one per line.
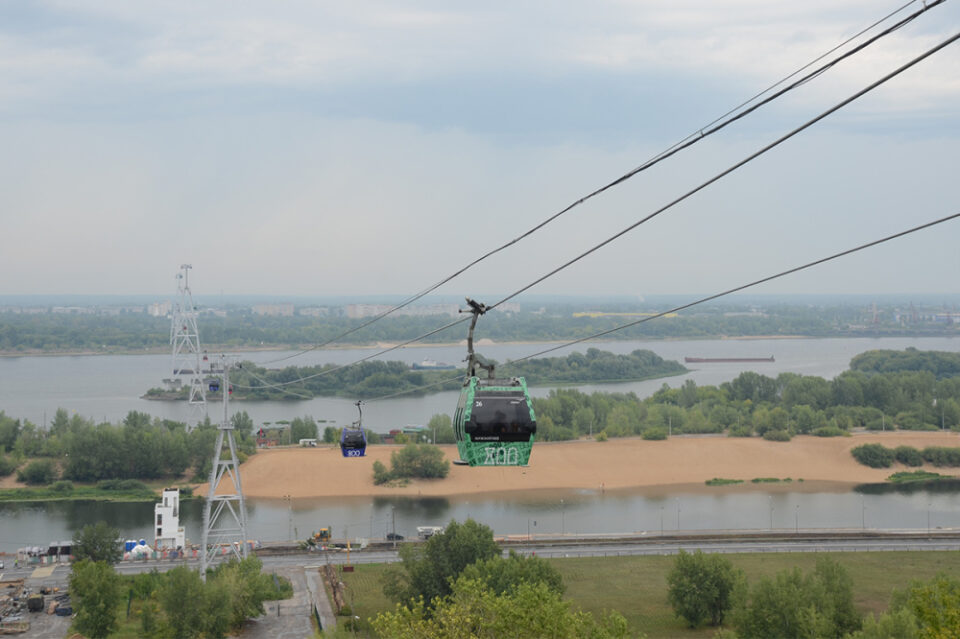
[721, 360]
[430, 365]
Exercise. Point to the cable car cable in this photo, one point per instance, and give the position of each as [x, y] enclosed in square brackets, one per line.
[697, 302]
[740, 288]
[369, 357]
[715, 178]
[739, 164]
[710, 128]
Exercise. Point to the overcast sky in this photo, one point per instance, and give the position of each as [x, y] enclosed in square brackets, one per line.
[327, 148]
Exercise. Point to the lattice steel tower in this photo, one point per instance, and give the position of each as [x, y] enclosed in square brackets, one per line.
[224, 513]
[185, 341]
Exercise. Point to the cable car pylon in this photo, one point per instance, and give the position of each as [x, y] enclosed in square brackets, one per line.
[224, 512]
[187, 358]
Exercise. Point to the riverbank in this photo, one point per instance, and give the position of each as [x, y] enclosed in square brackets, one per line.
[678, 463]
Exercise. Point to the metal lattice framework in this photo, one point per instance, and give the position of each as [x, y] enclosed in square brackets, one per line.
[185, 341]
[224, 513]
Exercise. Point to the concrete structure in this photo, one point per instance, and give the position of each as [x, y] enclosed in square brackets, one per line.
[166, 519]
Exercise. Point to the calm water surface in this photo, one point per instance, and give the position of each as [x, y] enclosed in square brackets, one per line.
[108, 387]
[584, 512]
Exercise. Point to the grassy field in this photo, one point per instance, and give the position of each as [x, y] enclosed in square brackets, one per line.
[148, 491]
[636, 586]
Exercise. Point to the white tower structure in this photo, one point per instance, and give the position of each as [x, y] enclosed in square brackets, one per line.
[166, 515]
[185, 341]
[224, 513]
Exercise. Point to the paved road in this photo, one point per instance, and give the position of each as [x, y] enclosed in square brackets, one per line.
[291, 618]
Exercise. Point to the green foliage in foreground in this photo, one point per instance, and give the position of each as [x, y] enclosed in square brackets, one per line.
[701, 587]
[427, 571]
[504, 575]
[796, 606]
[529, 611]
[637, 586]
[95, 593]
[178, 604]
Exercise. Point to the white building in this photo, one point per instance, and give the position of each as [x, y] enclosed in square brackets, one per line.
[159, 309]
[166, 515]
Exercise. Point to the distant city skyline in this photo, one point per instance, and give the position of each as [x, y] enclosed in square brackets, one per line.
[369, 150]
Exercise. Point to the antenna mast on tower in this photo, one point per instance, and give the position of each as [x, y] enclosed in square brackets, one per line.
[185, 341]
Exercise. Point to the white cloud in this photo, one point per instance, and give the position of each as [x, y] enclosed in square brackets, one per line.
[268, 145]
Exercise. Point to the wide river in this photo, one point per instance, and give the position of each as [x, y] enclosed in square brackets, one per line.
[108, 387]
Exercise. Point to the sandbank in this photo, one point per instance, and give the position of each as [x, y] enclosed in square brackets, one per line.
[678, 463]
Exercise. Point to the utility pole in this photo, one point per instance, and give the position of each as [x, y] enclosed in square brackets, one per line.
[224, 512]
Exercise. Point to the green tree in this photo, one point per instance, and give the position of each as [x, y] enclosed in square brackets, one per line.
[530, 611]
[183, 601]
[246, 589]
[419, 460]
[897, 624]
[39, 471]
[936, 606]
[701, 587]
[96, 595]
[427, 570]
[797, 606]
[7, 466]
[505, 575]
[302, 428]
[331, 435]
[9, 432]
[442, 428]
[98, 542]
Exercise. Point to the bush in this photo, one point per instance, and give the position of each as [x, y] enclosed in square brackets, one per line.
[121, 484]
[562, 434]
[41, 471]
[741, 430]
[654, 434]
[62, 486]
[830, 431]
[941, 456]
[776, 436]
[908, 456]
[601, 436]
[873, 455]
[380, 474]
[7, 466]
[419, 460]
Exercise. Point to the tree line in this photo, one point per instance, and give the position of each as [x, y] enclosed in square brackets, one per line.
[708, 589]
[135, 331]
[887, 390]
[375, 378]
[458, 584]
[140, 447]
[177, 604]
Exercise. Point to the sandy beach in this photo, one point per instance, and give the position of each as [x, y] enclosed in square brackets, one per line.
[617, 464]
